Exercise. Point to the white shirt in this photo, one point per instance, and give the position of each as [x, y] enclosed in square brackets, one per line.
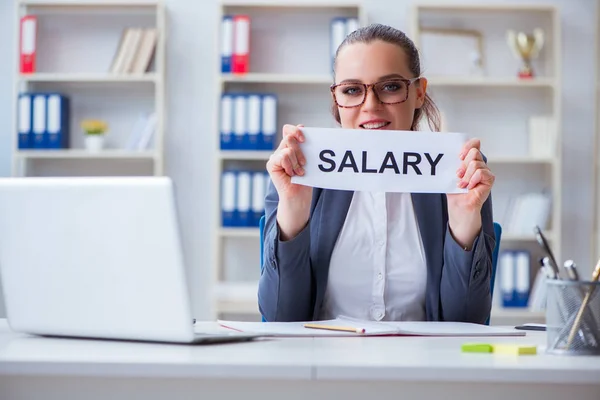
[377, 269]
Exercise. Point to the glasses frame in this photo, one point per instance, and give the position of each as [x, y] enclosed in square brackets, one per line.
[408, 82]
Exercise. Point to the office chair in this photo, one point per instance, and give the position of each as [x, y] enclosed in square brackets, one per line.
[497, 233]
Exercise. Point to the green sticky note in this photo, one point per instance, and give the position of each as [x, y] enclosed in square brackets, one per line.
[477, 348]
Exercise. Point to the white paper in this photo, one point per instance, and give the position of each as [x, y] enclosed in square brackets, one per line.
[374, 160]
[372, 328]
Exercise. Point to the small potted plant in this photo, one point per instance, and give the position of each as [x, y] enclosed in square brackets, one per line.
[94, 133]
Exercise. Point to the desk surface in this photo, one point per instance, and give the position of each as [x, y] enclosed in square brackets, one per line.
[365, 358]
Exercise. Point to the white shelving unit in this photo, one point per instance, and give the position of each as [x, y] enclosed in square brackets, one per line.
[301, 84]
[472, 104]
[77, 65]
[595, 245]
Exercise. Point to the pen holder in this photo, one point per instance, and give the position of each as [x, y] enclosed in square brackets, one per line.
[573, 317]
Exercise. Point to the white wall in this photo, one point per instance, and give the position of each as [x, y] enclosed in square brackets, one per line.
[191, 76]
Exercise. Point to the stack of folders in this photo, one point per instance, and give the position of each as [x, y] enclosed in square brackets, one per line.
[340, 28]
[235, 44]
[135, 51]
[248, 121]
[525, 211]
[143, 132]
[514, 267]
[43, 121]
[243, 197]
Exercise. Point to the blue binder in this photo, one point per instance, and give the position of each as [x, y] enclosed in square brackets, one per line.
[253, 107]
[226, 43]
[39, 118]
[228, 195]
[240, 122]
[57, 128]
[25, 121]
[226, 127]
[268, 122]
[243, 199]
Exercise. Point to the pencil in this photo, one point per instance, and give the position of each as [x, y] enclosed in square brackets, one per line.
[335, 328]
[586, 300]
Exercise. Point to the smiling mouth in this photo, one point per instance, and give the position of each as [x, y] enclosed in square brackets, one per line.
[375, 125]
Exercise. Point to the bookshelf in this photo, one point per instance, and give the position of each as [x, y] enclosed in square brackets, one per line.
[75, 46]
[301, 86]
[471, 101]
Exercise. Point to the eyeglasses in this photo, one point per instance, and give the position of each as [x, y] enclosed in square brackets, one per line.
[354, 94]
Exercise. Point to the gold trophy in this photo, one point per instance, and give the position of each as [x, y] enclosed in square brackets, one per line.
[526, 47]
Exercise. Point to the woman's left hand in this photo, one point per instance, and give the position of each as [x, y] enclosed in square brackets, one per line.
[464, 209]
[474, 175]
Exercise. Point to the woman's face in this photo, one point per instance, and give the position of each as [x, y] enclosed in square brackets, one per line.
[382, 63]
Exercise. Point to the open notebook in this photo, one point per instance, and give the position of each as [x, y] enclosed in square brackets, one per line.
[369, 328]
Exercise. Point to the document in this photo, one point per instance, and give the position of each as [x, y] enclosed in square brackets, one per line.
[381, 161]
[344, 326]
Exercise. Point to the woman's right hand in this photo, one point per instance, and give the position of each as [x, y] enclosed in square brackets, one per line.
[294, 199]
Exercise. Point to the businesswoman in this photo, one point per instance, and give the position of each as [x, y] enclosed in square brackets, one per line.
[377, 256]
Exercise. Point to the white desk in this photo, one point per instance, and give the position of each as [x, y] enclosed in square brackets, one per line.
[289, 369]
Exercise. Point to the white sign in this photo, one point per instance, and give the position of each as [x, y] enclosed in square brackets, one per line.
[381, 161]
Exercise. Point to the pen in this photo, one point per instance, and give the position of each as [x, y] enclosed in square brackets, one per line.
[586, 300]
[551, 272]
[571, 269]
[335, 328]
[541, 239]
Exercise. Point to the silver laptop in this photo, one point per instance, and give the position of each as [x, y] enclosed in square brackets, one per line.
[96, 258]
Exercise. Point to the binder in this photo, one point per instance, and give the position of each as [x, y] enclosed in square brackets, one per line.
[258, 197]
[39, 121]
[240, 126]
[351, 25]
[25, 122]
[241, 44]
[226, 43]
[254, 132]
[228, 183]
[27, 45]
[242, 204]
[507, 277]
[267, 182]
[227, 122]
[338, 34]
[268, 121]
[522, 268]
[58, 122]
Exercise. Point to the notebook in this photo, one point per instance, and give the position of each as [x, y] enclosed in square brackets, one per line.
[369, 328]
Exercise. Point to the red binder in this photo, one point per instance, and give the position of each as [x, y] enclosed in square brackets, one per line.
[28, 35]
[241, 44]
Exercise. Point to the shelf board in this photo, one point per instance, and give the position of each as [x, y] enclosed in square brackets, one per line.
[291, 4]
[237, 297]
[518, 160]
[94, 3]
[239, 232]
[516, 316]
[89, 77]
[309, 79]
[512, 237]
[244, 155]
[84, 154]
[483, 7]
[496, 82]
